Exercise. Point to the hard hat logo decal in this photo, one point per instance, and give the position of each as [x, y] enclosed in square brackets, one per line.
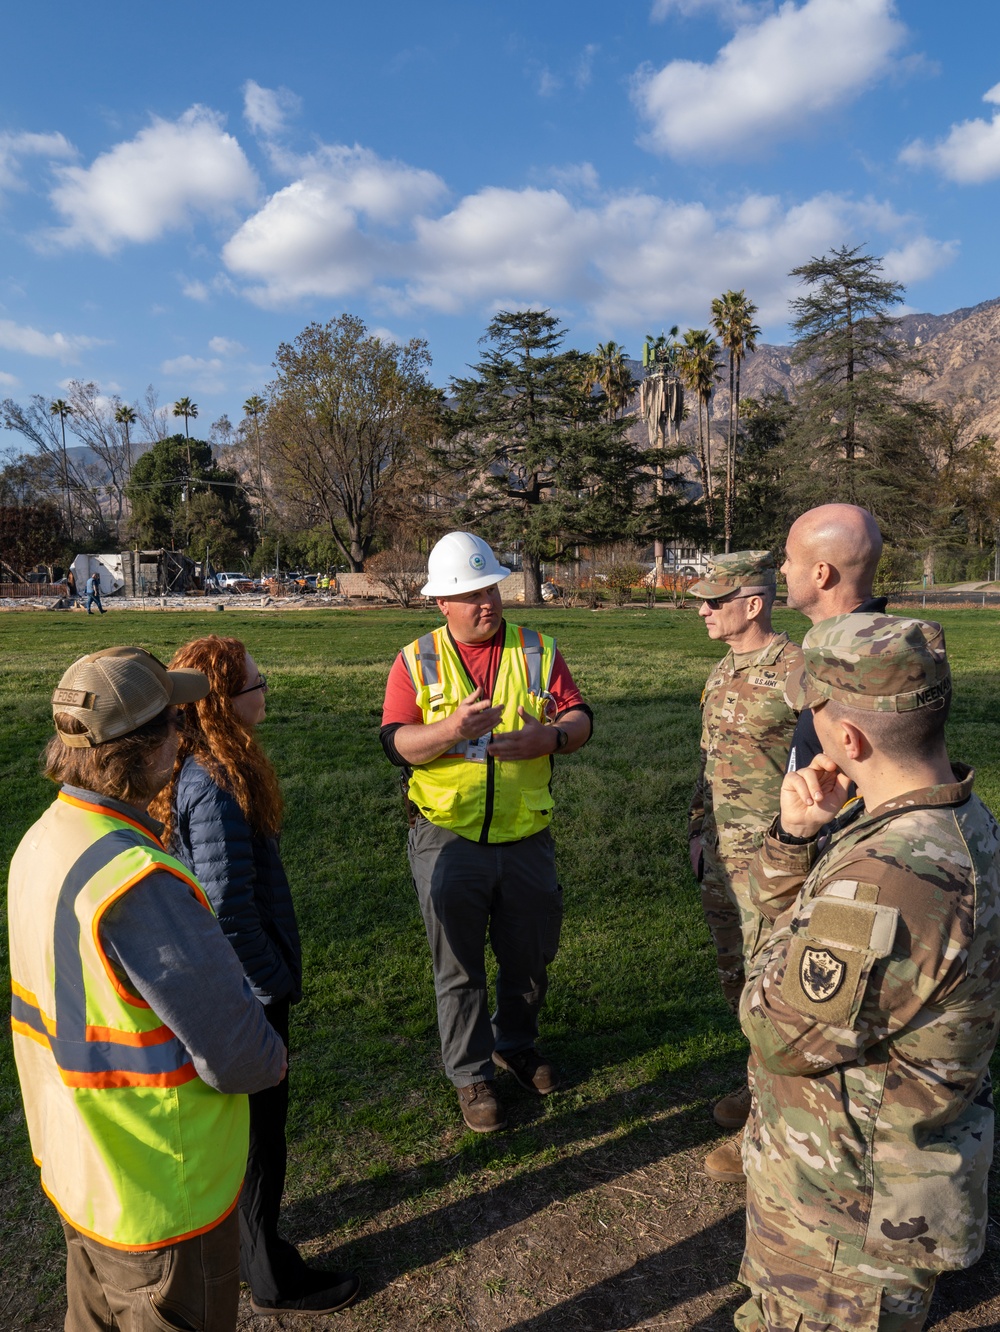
[477, 562]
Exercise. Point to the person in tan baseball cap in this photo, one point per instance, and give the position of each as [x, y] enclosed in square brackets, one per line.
[115, 691]
[135, 1035]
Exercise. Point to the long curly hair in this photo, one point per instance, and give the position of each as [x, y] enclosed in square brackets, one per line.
[221, 741]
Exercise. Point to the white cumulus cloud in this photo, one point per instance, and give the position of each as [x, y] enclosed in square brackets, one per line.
[329, 232]
[31, 342]
[637, 257]
[8, 381]
[777, 73]
[357, 224]
[267, 110]
[225, 346]
[154, 183]
[15, 146]
[198, 373]
[969, 154]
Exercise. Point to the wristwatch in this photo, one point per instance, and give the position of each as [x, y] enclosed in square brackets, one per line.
[562, 740]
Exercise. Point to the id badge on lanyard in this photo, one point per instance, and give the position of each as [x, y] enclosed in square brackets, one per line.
[475, 750]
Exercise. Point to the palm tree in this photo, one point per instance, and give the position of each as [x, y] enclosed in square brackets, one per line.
[62, 409]
[698, 365]
[185, 407]
[608, 367]
[254, 407]
[732, 319]
[126, 416]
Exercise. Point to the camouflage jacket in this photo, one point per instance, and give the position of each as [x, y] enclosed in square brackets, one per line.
[872, 1012]
[746, 729]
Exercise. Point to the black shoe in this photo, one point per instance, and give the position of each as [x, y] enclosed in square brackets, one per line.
[336, 1291]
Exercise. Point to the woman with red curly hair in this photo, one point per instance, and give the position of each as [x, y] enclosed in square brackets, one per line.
[222, 810]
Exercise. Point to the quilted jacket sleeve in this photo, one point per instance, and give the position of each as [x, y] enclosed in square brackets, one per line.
[214, 839]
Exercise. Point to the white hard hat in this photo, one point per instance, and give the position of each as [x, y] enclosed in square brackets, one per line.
[461, 562]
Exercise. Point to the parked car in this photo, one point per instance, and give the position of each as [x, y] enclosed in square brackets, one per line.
[231, 582]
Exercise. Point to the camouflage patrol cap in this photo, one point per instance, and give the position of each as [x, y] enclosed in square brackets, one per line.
[751, 570]
[876, 663]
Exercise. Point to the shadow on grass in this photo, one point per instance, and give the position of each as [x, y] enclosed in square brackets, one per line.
[388, 1254]
[652, 1286]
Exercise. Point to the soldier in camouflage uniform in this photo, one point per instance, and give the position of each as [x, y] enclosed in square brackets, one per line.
[872, 1009]
[746, 729]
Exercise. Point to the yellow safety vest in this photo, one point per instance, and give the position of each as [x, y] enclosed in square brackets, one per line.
[135, 1149]
[483, 800]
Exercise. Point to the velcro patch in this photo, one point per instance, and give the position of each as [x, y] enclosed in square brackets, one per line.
[73, 698]
[768, 680]
[859, 925]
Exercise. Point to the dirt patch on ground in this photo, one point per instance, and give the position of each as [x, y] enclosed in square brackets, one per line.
[618, 1229]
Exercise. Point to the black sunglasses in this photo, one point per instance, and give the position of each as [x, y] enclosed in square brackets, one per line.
[261, 684]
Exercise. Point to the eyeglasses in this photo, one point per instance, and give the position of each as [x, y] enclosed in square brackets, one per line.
[713, 603]
[261, 684]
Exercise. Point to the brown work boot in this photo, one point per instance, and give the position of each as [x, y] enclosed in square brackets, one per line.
[726, 1162]
[480, 1108]
[533, 1071]
[733, 1111]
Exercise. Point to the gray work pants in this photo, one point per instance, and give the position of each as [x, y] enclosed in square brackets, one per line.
[468, 892]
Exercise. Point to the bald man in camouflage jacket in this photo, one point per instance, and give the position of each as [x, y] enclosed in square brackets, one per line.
[872, 1010]
[747, 726]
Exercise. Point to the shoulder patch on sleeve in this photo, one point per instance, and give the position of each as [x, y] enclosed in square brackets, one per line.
[831, 956]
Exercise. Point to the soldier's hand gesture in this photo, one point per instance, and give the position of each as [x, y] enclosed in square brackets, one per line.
[810, 797]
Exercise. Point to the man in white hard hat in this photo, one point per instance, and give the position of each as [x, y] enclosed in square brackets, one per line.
[474, 713]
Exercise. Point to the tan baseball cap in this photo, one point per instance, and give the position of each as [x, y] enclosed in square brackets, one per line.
[115, 691]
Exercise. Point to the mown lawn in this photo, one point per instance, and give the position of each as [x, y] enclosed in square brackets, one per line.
[382, 1173]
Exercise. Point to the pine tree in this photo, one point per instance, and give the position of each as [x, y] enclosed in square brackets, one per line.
[857, 435]
[543, 465]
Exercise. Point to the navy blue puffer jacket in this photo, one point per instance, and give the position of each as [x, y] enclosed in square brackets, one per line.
[245, 882]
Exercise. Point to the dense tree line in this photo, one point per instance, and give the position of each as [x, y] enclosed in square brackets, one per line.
[547, 450]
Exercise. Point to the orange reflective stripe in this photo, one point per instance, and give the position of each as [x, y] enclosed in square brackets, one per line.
[22, 1029]
[112, 975]
[114, 1037]
[26, 997]
[109, 813]
[116, 1077]
[111, 1037]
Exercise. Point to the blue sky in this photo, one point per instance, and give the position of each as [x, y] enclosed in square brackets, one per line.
[183, 187]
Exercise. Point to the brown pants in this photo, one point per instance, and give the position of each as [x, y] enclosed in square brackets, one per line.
[192, 1286]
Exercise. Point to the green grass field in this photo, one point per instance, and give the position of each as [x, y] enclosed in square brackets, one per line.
[381, 1168]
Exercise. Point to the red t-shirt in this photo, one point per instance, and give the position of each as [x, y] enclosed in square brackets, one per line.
[481, 662]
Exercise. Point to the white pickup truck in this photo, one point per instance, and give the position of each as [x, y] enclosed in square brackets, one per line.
[228, 582]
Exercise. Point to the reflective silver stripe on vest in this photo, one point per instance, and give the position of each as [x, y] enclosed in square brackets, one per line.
[428, 659]
[73, 1052]
[532, 641]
